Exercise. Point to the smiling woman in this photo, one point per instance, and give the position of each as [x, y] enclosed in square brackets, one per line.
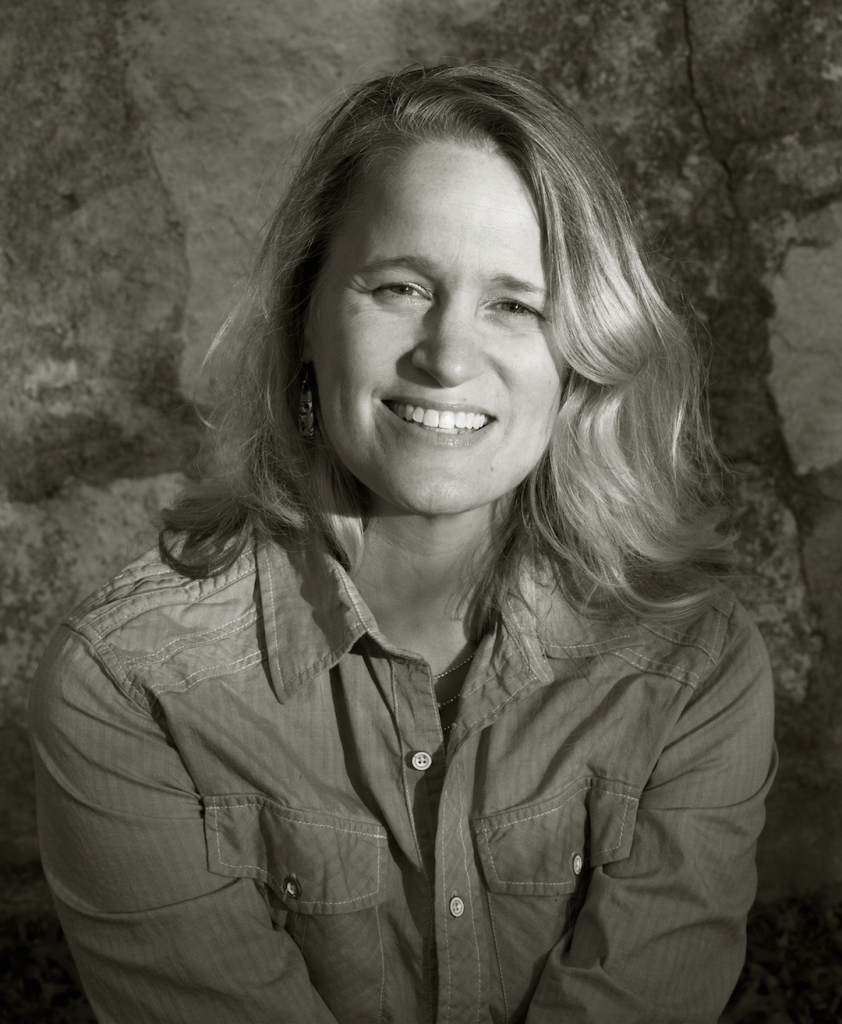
[422, 302]
[431, 705]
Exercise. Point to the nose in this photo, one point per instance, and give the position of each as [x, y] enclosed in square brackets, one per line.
[449, 348]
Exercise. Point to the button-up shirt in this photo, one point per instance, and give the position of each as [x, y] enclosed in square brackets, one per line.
[248, 811]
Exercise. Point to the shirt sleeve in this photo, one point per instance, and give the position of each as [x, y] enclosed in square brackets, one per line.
[155, 935]
[661, 935]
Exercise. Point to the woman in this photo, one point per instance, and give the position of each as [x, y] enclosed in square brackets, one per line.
[430, 707]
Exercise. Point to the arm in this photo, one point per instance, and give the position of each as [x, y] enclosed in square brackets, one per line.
[661, 935]
[156, 936]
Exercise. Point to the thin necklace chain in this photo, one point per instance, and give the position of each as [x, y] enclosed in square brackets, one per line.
[441, 675]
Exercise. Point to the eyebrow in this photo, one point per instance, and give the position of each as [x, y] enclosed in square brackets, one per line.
[422, 265]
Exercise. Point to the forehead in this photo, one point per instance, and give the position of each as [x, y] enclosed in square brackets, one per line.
[447, 197]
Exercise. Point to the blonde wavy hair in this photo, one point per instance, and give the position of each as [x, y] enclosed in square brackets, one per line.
[620, 512]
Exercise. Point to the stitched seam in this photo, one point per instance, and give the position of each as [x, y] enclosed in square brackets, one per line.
[470, 892]
[497, 955]
[444, 898]
[681, 639]
[516, 639]
[129, 571]
[205, 637]
[479, 686]
[330, 656]
[353, 601]
[552, 810]
[274, 617]
[662, 668]
[104, 612]
[382, 963]
[138, 693]
[268, 874]
[430, 888]
[494, 710]
[619, 843]
[297, 821]
[201, 675]
[557, 807]
[720, 621]
[591, 643]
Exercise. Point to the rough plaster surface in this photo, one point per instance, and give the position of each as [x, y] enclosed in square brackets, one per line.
[806, 342]
[773, 587]
[150, 140]
[92, 267]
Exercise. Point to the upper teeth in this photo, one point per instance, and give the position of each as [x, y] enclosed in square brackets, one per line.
[444, 420]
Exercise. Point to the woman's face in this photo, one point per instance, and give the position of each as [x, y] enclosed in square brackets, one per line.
[436, 385]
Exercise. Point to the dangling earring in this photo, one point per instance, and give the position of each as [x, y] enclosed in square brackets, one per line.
[306, 419]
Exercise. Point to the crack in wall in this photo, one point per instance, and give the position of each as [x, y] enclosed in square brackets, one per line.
[699, 106]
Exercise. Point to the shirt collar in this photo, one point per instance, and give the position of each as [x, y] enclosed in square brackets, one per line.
[314, 614]
[312, 611]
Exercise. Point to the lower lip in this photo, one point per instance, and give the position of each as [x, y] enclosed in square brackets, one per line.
[443, 438]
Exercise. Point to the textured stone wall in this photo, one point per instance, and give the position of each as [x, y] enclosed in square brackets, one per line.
[144, 143]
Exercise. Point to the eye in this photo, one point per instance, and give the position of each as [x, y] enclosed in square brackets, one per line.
[400, 290]
[518, 309]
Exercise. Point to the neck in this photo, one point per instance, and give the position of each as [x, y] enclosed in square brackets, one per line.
[415, 578]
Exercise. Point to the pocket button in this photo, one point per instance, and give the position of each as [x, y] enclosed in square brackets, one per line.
[291, 887]
[421, 760]
[577, 863]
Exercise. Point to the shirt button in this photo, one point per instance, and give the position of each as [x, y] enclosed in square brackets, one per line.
[421, 760]
[577, 864]
[457, 907]
[291, 887]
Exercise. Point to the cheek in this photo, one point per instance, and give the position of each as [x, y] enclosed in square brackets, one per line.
[538, 396]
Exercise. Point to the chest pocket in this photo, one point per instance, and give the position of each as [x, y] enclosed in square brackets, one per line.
[544, 848]
[316, 863]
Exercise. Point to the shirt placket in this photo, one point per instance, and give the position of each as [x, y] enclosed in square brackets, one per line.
[460, 927]
[423, 772]
[437, 793]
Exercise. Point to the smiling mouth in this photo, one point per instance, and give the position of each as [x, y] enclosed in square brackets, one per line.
[450, 422]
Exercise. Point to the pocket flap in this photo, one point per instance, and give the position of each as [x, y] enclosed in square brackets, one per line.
[536, 850]
[316, 863]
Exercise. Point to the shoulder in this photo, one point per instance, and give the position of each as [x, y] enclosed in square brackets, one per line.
[148, 600]
[149, 626]
[687, 651]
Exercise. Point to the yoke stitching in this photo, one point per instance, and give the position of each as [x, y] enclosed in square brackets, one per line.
[97, 617]
[204, 637]
[202, 674]
[682, 639]
[660, 667]
[591, 643]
